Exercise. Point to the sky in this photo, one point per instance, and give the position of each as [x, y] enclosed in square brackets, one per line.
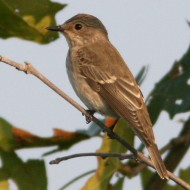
[153, 33]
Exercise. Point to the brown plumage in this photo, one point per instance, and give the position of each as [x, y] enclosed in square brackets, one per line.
[103, 81]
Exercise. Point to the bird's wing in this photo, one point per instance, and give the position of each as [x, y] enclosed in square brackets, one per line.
[118, 87]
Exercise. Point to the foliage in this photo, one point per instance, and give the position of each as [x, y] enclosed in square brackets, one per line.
[27, 175]
[171, 93]
[109, 166]
[28, 19]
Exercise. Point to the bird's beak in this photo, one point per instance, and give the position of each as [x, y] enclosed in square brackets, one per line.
[55, 28]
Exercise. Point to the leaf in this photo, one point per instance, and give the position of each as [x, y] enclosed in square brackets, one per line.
[184, 174]
[107, 167]
[146, 174]
[28, 19]
[141, 75]
[188, 23]
[12, 138]
[76, 179]
[171, 93]
[30, 175]
[119, 184]
[4, 185]
[7, 141]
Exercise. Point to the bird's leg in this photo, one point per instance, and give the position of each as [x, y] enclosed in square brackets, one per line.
[89, 119]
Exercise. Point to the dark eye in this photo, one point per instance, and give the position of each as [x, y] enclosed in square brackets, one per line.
[78, 26]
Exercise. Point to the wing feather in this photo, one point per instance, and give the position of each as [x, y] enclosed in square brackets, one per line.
[120, 90]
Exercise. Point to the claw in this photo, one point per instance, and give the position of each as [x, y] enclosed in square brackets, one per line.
[89, 118]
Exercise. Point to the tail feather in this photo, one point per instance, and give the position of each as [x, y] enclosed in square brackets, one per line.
[157, 161]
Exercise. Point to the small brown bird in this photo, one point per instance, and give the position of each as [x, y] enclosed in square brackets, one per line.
[104, 82]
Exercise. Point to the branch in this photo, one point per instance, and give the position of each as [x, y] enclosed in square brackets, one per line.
[29, 69]
[100, 154]
[174, 157]
[182, 140]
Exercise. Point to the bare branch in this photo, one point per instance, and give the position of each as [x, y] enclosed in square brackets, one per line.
[185, 139]
[174, 156]
[103, 155]
[178, 141]
[29, 69]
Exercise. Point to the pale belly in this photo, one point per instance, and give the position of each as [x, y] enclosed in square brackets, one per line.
[88, 96]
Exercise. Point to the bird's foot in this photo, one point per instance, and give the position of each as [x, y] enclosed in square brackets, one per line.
[89, 118]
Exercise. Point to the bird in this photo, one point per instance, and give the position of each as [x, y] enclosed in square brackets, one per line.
[102, 80]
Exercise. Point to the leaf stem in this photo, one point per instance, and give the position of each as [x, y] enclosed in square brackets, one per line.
[76, 179]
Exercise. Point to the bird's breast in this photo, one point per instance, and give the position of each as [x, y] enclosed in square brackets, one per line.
[88, 96]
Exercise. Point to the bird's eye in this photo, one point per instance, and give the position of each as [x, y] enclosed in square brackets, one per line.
[78, 26]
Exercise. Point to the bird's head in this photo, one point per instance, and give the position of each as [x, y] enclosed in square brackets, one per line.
[82, 29]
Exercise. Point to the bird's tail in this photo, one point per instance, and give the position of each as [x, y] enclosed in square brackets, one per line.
[157, 161]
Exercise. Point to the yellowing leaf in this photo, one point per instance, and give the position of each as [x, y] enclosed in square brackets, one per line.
[4, 185]
[107, 167]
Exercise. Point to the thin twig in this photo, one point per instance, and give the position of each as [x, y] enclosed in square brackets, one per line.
[103, 155]
[173, 157]
[29, 69]
[185, 139]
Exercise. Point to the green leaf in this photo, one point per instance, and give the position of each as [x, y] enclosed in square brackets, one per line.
[188, 23]
[184, 174]
[28, 19]
[171, 93]
[30, 175]
[146, 174]
[141, 75]
[7, 141]
[169, 187]
[76, 179]
[12, 138]
[119, 184]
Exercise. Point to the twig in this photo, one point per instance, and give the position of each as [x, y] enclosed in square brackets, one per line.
[180, 140]
[29, 69]
[185, 139]
[173, 158]
[103, 155]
